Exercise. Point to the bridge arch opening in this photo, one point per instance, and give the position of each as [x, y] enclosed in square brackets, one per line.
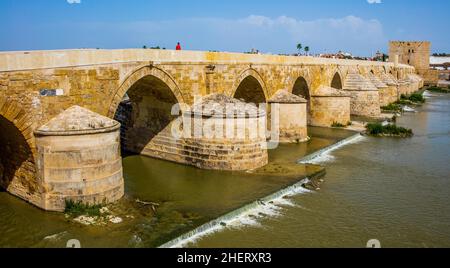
[301, 88]
[145, 114]
[250, 90]
[16, 158]
[337, 81]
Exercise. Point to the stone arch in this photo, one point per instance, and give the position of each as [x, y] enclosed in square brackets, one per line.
[17, 157]
[135, 76]
[337, 81]
[147, 98]
[301, 88]
[251, 87]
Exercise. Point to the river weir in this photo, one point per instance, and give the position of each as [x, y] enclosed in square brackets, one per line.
[390, 189]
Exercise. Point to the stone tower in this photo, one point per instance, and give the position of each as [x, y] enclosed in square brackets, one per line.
[412, 53]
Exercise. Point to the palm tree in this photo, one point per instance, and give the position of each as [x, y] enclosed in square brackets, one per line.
[299, 47]
[307, 50]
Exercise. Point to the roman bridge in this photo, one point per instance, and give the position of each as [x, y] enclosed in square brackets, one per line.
[138, 88]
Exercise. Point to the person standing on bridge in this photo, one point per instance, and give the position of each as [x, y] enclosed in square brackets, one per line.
[178, 46]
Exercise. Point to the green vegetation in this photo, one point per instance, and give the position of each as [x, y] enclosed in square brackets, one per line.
[299, 47]
[394, 119]
[441, 55]
[403, 102]
[439, 89]
[76, 209]
[307, 50]
[392, 107]
[377, 129]
[417, 97]
[338, 125]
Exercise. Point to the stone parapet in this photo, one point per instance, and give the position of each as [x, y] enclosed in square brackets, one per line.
[29, 60]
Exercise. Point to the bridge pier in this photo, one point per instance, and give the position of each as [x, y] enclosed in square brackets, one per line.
[293, 115]
[79, 160]
[328, 106]
[365, 98]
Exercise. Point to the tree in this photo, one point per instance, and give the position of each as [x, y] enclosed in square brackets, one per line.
[144, 47]
[299, 47]
[307, 50]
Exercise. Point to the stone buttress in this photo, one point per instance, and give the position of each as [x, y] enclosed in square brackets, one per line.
[79, 159]
[328, 106]
[365, 97]
[292, 111]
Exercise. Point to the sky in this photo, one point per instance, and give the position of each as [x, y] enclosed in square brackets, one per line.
[360, 27]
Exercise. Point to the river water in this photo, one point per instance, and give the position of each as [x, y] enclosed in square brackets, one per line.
[188, 197]
[394, 190]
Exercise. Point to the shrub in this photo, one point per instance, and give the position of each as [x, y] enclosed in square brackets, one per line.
[392, 107]
[374, 128]
[76, 209]
[338, 125]
[402, 102]
[394, 119]
[439, 89]
[417, 97]
[377, 129]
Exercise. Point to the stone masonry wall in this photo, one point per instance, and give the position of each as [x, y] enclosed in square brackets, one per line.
[328, 110]
[365, 103]
[37, 86]
[388, 95]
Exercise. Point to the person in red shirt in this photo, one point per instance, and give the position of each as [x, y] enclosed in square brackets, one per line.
[178, 46]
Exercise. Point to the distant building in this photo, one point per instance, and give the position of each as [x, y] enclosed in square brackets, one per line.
[338, 55]
[440, 63]
[414, 53]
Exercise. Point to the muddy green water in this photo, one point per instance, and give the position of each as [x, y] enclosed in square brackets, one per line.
[188, 197]
[393, 190]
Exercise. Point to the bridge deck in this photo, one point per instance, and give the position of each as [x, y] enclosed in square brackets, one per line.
[29, 60]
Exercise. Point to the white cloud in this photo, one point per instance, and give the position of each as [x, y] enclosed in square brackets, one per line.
[374, 1]
[74, 1]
